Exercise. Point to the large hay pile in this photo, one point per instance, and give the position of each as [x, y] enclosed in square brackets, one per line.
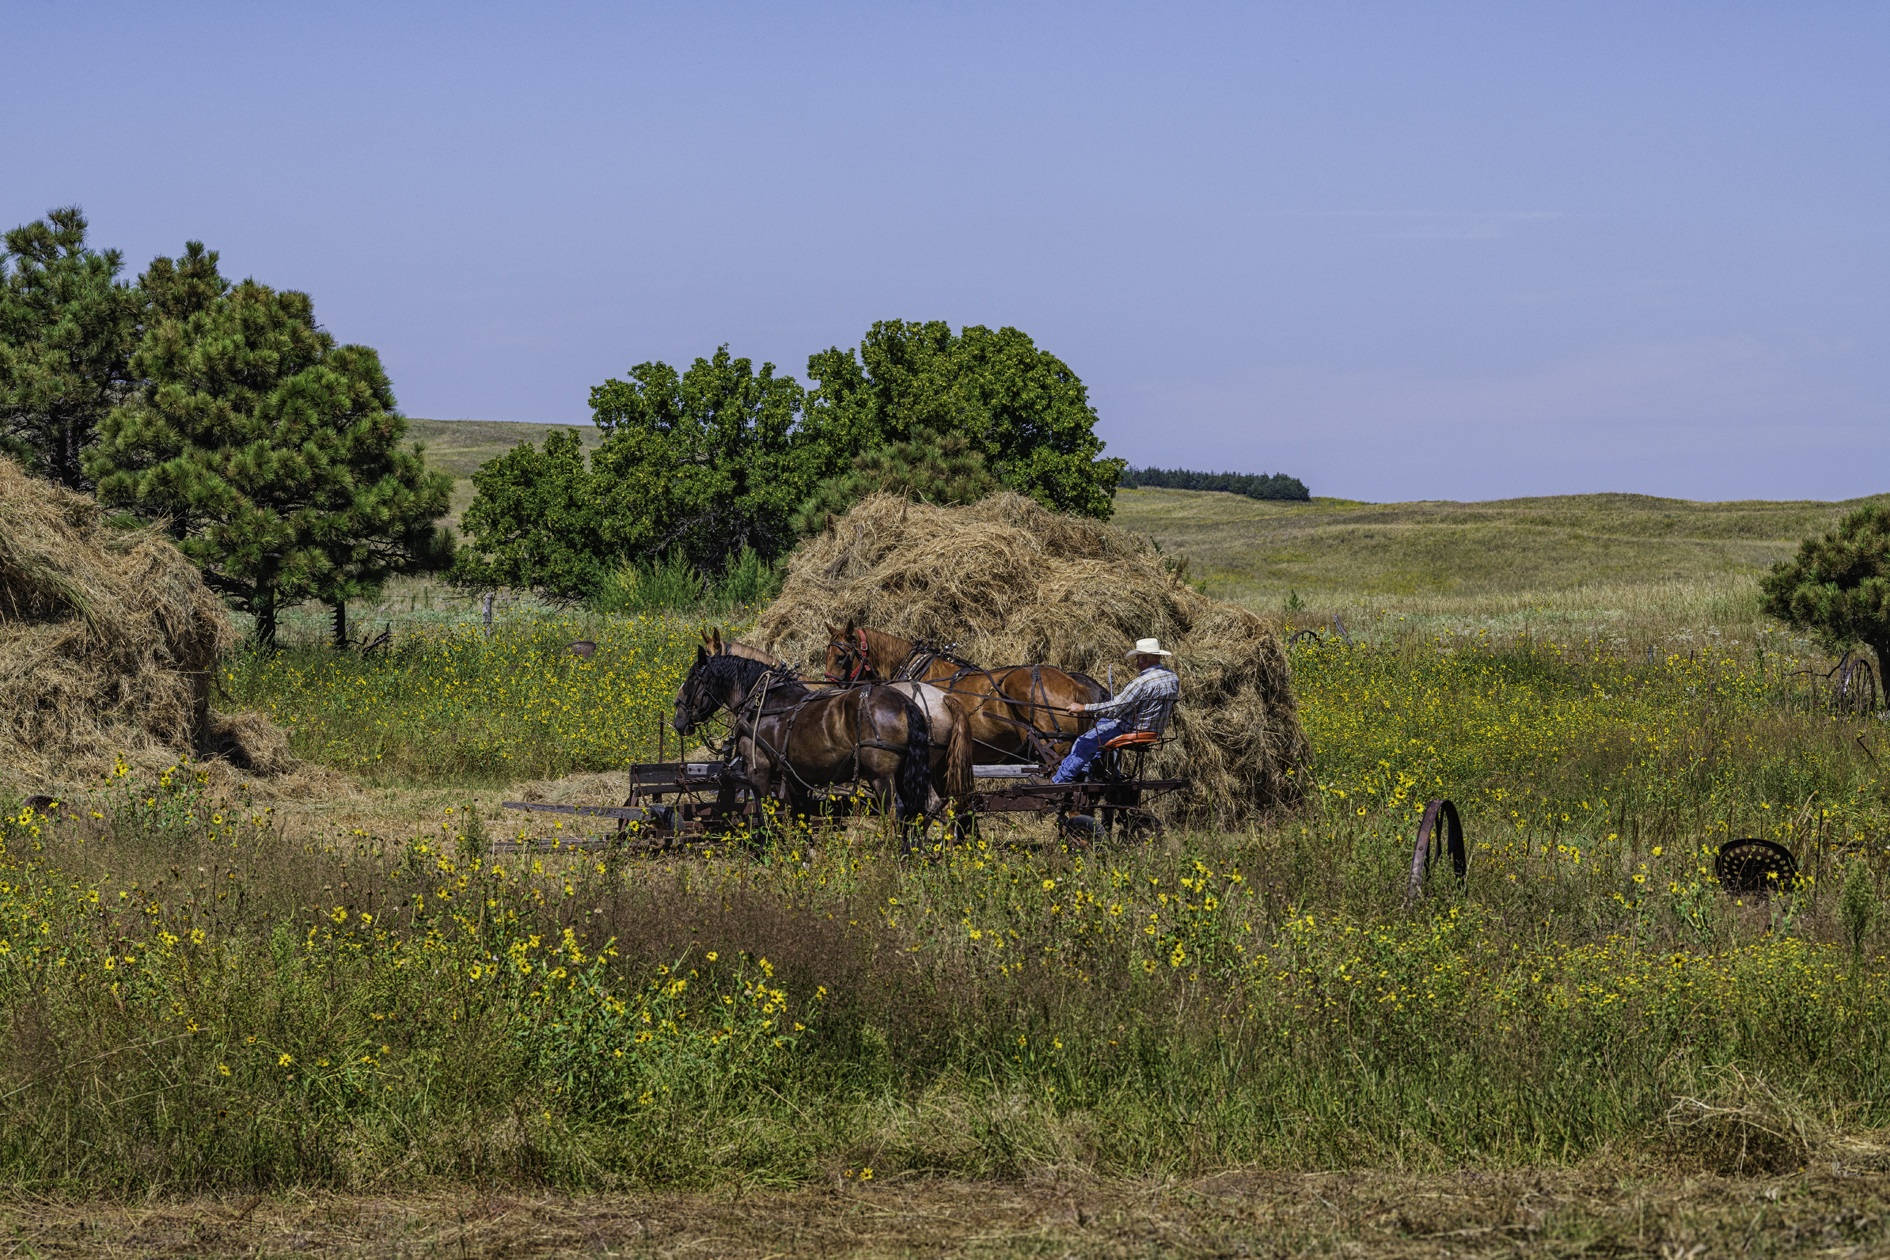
[108, 645]
[1011, 583]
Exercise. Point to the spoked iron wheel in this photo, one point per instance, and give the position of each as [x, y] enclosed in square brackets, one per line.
[1139, 826]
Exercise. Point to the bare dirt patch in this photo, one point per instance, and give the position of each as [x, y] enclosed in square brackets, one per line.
[1545, 1212]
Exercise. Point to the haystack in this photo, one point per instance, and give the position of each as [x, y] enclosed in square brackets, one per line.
[108, 646]
[1010, 583]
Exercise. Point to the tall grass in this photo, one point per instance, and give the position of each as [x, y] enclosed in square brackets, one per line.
[457, 703]
[198, 1000]
[676, 586]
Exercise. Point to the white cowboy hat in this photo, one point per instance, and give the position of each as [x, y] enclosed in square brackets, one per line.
[1147, 647]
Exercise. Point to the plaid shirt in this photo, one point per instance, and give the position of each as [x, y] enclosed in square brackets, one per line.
[1143, 705]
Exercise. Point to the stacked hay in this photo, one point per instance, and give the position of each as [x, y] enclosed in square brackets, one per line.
[1011, 583]
[108, 644]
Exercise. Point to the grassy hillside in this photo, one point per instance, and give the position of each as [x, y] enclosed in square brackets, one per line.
[1597, 558]
[1625, 564]
[1252, 550]
[461, 446]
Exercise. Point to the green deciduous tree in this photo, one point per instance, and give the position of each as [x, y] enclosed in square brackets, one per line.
[68, 329]
[695, 468]
[1838, 587]
[703, 462]
[1020, 408]
[706, 465]
[538, 516]
[275, 454]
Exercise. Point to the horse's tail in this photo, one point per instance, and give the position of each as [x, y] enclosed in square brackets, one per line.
[958, 750]
[915, 772]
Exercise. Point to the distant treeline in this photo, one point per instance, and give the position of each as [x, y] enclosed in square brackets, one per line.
[1253, 485]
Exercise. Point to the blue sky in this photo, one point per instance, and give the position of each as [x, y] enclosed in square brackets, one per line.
[1401, 251]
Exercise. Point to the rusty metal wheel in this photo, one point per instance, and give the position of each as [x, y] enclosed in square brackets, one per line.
[1755, 867]
[1138, 826]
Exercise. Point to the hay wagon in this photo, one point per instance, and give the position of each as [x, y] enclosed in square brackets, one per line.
[673, 804]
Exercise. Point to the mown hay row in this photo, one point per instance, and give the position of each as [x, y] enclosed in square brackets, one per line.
[109, 642]
[1010, 583]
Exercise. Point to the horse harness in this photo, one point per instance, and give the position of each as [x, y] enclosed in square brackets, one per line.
[920, 658]
[751, 715]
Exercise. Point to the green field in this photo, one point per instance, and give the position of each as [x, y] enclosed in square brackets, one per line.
[1635, 563]
[1612, 555]
[1587, 1044]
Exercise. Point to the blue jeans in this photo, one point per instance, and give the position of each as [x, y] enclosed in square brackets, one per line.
[1084, 750]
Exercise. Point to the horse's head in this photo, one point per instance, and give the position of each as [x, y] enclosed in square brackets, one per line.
[702, 692]
[714, 682]
[848, 660]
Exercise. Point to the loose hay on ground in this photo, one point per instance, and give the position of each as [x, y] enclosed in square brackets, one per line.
[109, 642]
[1010, 583]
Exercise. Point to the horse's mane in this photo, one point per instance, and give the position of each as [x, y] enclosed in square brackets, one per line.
[916, 647]
[747, 671]
[944, 653]
[748, 651]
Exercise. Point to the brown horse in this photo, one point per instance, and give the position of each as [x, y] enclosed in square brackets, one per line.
[1018, 712]
[791, 739]
[949, 716]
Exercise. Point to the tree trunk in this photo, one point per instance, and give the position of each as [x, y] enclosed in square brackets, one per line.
[341, 625]
[64, 458]
[265, 606]
[1880, 648]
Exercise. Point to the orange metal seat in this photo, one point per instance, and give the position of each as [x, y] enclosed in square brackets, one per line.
[1134, 739]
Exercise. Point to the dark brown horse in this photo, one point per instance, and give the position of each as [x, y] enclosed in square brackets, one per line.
[791, 739]
[1018, 712]
[949, 716]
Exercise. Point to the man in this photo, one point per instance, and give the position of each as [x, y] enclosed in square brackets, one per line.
[1143, 705]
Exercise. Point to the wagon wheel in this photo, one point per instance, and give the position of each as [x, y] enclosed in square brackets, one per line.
[1138, 825]
[1439, 834]
[655, 817]
[1755, 867]
[1080, 829]
[1854, 689]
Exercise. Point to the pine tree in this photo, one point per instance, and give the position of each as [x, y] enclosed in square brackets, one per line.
[1838, 586]
[928, 469]
[68, 328]
[274, 454]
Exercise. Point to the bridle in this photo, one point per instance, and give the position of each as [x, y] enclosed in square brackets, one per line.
[857, 650]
